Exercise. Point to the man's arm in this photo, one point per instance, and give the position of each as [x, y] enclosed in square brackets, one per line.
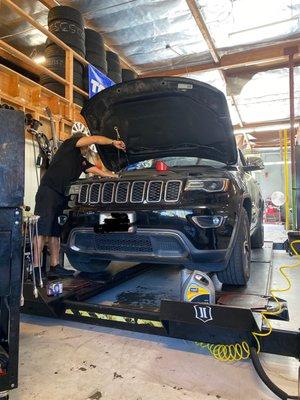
[102, 140]
[97, 171]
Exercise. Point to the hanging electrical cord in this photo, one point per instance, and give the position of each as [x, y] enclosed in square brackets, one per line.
[36, 168]
[242, 351]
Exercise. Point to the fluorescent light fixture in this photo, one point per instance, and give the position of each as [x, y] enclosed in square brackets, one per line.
[264, 128]
[39, 59]
[275, 163]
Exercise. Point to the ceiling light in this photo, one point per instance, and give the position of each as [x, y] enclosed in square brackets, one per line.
[265, 128]
[39, 59]
[275, 162]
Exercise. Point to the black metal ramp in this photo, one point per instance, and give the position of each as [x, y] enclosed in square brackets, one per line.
[162, 282]
[146, 298]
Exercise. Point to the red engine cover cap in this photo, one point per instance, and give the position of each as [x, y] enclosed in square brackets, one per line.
[161, 166]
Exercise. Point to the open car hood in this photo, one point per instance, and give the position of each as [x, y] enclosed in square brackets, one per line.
[161, 117]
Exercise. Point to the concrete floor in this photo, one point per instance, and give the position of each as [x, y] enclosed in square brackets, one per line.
[65, 360]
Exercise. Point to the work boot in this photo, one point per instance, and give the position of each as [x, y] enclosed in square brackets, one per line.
[58, 271]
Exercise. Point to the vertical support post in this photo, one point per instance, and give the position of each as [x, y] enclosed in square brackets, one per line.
[292, 133]
[281, 145]
[69, 78]
[297, 179]
[286, 180]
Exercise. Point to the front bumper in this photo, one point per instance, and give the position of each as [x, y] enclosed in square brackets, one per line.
[165, 247]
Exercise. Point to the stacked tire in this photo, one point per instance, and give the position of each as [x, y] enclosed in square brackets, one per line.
[94, 53]
[67, 24]
[128, 75]
[114, 71]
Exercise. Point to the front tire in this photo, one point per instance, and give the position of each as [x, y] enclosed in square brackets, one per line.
[257, 239]
[237, 271]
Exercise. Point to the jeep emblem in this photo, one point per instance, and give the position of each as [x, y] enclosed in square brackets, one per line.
[203, 313]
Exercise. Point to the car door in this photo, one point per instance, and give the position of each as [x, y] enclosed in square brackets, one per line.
[254, 192]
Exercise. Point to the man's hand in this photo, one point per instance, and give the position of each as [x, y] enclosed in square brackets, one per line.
[103, 174]
[119, 144]
[110, 174]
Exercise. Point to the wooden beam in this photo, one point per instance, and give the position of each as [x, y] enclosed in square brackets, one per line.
[38, 68]
[69, 76]
[203, 29]
[264, 124]
[273, 53]
[49, 3]
[266, 66]
[212, 49]
[15, 60]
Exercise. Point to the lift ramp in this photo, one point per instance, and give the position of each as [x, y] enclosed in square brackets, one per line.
[146, 298]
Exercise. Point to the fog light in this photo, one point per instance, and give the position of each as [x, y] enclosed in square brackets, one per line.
[217, 221]
[204, 221]
[62, 219]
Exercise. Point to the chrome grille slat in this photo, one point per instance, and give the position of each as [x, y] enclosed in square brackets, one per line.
[137, 193]
[122, 192]
[83, 194]
[95, 191]
[154, 192]
[172, 191]
[108, 192]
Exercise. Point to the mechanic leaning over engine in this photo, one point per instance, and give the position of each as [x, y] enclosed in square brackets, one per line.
[67, 165]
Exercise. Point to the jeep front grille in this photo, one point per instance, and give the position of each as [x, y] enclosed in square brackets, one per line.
[108, 192]
[172, 191]
[122, 192]
[94, 193]
[83, 194]
[137, 192]
[154, 191]
[131, 192]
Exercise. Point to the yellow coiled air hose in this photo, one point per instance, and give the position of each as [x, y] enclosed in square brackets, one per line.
[241, 351]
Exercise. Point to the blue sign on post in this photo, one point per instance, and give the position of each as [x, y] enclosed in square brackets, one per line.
[97, 81]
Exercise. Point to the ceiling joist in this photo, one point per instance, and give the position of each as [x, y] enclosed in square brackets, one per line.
[267, 55]
[212, 49]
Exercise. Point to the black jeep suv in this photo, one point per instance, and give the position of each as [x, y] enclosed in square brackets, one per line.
[184, 194]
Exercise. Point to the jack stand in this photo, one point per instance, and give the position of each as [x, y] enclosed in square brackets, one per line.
[197, 287]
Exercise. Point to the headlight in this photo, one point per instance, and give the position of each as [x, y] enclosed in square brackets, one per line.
[74, 189]
[207, 185]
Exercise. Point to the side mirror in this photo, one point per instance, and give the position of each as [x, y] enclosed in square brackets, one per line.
[254, 163]
[249, 168]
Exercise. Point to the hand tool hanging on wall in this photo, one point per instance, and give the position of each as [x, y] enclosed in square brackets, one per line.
[30, 231]
[55, 141]
[46, 151]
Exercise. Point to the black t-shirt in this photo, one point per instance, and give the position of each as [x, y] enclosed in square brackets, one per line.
[66, 166]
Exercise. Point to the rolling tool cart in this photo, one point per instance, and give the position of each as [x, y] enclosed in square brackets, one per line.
[11, 199]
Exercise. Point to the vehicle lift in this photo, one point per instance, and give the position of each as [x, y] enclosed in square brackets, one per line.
[147, 298]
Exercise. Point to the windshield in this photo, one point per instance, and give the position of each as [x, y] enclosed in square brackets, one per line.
[172, 162]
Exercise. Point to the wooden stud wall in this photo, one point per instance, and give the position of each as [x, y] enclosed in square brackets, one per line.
[28, 96]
